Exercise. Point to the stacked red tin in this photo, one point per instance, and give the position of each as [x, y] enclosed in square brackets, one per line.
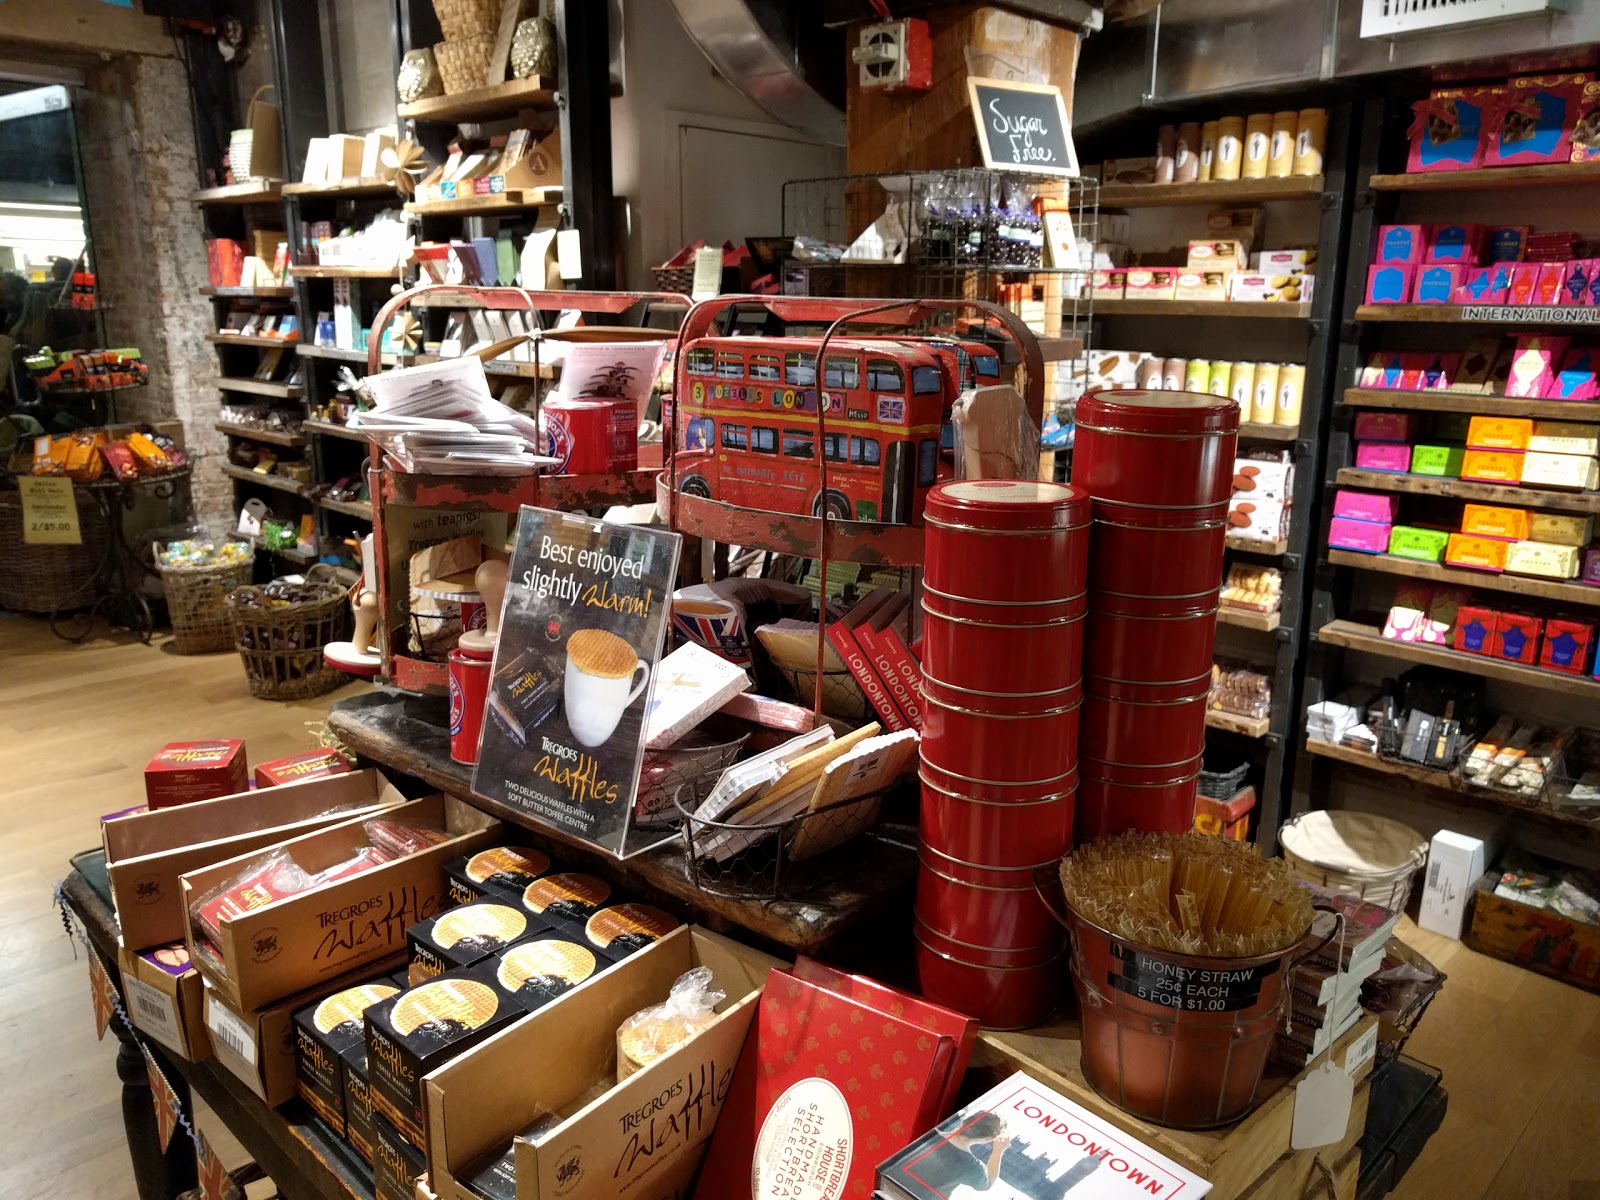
[1002, 650]
[1159, 466]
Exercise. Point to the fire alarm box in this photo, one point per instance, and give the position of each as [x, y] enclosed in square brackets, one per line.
[895, 56]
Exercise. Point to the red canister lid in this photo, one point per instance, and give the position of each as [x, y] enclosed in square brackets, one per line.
[1008, 504]
[1177, 413]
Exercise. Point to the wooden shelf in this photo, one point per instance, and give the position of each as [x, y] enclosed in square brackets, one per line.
[372, 185]
[248, 293]
[1467, 402]
[1252, 727]
[350, 508]
[1232, 191]
[346, 272]
[1484, 179]
[1229, 309]
[1353, 635]
[1252, 546]
[337, 353]
[331, 429]
[294, 556]
[260, 343]
[490, 203]
[257, 387]
[276, 482]
[1272, 433]
[508, 493]
[1244, 618]
[253, 191]
[485, 103]
[1562, 315]
[1520, 585]
[272, 437]
[1494, 493]
[1060, 349]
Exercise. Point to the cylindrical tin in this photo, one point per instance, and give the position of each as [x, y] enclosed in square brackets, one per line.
[1157, 552]
[999, 997]
[1196, 375]
[1035, 737]
[1162, 641]
[1106, 807]
[1220, 379]
[1166, 153]
[1012, 541]
[1008, 835]
[1311, 132]
[976, 787]
[1169, 729]
[1242, 385]
[989, 956]
[1208, 152]
[1151, 371]
[1280, 155]
[984, 906]
[1173, 373]
[1186, 163]
[991, 653]
[1291, 393]
[469, 688]
[473, 615]
[1264, 404]
[1163, 449]
[578, 434]
[1257, 146]
[1230, 148]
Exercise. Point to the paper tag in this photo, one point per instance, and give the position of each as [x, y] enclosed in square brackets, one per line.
[49, 511]
[232, 1032]
[1361, 1051]
[1322, 1103]
[154, 1012]
[707, 272]
[569, 258]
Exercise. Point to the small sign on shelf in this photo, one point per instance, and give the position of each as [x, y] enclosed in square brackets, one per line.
[1022, 127]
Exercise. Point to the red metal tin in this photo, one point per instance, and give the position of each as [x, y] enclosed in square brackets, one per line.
[1001, 656]
[469, 688]
[992, 791]
[1164, 728]
[578, 432]
[1006, 834]
[1157, 552]
[1007, 541]
[1150, 640]
[986, 906]
[989, 956]
[1105, 807]
[1000, 737]
[999, 997]
[1161, 448]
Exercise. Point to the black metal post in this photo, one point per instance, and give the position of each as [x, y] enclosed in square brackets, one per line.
[585, 84]
[297, 71]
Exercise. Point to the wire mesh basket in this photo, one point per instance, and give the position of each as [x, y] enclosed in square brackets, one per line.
[679, 778]
[841, 694]
[281, 640]
[1404, 986]
[197, 603]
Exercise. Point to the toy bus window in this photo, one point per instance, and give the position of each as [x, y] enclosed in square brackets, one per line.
[884, 376]
[925, 381]
[735, 437]
[834, 446]
[865, 452]
[764, 367]
[701, 362]
[799, 370]
[841, 372]
[701, 433]
[987, 366]
[730, 366]
[927, 461]
[763, 440]
[798, 445]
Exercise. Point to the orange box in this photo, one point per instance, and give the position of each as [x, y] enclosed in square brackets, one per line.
[1480, 553]
[1491, 520]
[1499, 433]
[1492, 466]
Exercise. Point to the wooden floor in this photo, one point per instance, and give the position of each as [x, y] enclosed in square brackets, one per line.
[1520, 1053]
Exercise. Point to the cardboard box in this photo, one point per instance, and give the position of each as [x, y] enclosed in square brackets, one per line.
[1390, 283]
[1286, 287]
[1109, 284]
[1400, 243]
[465, 935]
[503, 871]
[1454, 244]
[566, 900]
[1524, 282]
[1534, 360]
[1492, 466]
[1493, 520]
[147, 853]
[545, 967]
[1544, 559]
[1484, 285]
[1567, 646]
[313, 764]
[1436, 283]
[1552, 283]
[1455, 863]
[323, 1031]
[1563, 529]
[1565, 437]
[294, 943]
[357, 1098]
[165, 998]
[625, 1142]
[1478, 553]
[1381, 507]
[1244, 224]
[1499, 433]
[1368, 537]
[1425, 545]
[1150, 283]
[183, 772]
[1444, 461]
[1451, 427]
[1224, 254]
[1506, 243]
[1283, 262]
[1202, 285]
[1475, 629]
[1129, 170]
[396, 1164]
[1384, 425]
[1535, 938]
[1576, 472]
[1516, 637]
[1576, 380]
[1590, 571]
[1383, 456]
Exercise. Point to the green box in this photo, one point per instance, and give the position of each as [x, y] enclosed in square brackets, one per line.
[1451, 427]
[1409, 541]
[1437, 460]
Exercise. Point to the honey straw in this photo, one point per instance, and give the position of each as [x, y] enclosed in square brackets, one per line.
[1189, 893]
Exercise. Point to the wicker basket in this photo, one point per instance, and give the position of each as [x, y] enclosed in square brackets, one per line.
[460, 19]
[1372, 857]
[674, 279]
[463, 64]
[197, 602]
[282, 645]
[44, 579]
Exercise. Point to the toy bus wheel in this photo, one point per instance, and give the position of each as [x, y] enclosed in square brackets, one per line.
[694, 485]
[835, 504]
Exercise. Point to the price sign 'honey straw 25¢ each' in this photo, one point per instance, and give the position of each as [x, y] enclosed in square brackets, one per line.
[1022, 127]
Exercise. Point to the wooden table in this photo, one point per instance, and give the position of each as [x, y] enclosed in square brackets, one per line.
[406, 734]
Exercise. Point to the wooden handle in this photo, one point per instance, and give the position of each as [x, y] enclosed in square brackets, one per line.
[366, 607]
[490, 579]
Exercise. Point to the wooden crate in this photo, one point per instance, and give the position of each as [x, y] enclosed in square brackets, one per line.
[1535, 938]
[1237, 1159]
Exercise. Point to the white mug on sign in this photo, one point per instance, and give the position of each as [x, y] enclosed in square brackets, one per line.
[603, 677]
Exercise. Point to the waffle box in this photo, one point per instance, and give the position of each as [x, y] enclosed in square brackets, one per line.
[323, 1031]
[466, 934]
[396, 1164]
[313, 764]
[642, 1137]
[299, 941]
[147, 852]
[503, 871]
[165, 999]
[357, 1098]
[183, 772]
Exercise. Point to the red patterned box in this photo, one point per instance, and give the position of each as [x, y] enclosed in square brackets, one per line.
[185, 771]
[1475, 629]
[313, 764]
[1567, 645]
[1516, 637]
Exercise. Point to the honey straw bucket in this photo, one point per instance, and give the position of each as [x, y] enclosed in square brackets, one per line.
[1177, 1039]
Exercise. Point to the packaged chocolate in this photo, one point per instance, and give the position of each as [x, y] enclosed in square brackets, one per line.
[494, 1176]
[1516, 637]
[624, 929]
[524, 693]
[464, 935]
[1384, 425]
[503, 871]
[1475, 629]
[1564, 529]
[1368, 537]
[1565, 437]
[1543, 559]
[396, 1163]
[1499, 433]
[357, 1098]
[1492, 466]
[1444, 461]
[1576, 472]
[1400, 243]
[1383, 456]
[544, 968]
[313, 764]
[1567, 645]
[152, 458]
[1425, 545]
[1478, 553]
[568, 899]
[323, 1032]
[1496, 521]
[184, 771]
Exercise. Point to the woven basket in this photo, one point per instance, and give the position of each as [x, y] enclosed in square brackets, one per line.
[463, 64]
[43, 579]
[1365, 855]
[197, 602]
[674, 279]
[459, 19]
[282, 645]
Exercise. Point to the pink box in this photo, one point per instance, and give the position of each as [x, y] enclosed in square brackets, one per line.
[1368, 537]
[1390, 283]
[1438, 371]
[1579, 287]
[1383, 456]
[1484, 285]
[1533, 364]
[1372, 507]
[1447, 133]
[1533, 121]
[1400, 243]
[1383, 425]
[1524, 282]
[1576, 378]
[1437, 282]
[1552, 278]
[1454, 244]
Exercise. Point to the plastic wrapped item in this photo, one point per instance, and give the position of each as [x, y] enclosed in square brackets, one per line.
[652, 1032]
[995, 438]
[202, 552]
[269, 878]
[395, 840]
[1239, 690]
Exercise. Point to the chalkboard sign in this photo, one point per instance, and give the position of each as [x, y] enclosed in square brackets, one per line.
[1022, 127]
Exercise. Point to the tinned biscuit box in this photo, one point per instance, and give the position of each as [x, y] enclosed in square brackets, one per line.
[504, 871]
[323, 1032]
[464, 935]
[185, 771]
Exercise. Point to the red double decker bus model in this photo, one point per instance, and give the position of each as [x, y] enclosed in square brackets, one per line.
[748, 417]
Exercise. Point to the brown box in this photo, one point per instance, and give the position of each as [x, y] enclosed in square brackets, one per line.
[294, 943]
[183, 772]
[147, 852]
[165, 998]
[1536, 938]
[618, 1144]
[313, 764]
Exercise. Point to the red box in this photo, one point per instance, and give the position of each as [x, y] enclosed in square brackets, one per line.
[1552, 281]
[185, 771]
[1524, 282]
[1475, 629]
[1225, 818]
[1516, 637]
[1567, 646]
[313, 764]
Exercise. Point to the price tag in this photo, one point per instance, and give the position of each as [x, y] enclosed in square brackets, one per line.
[1361, 1051]
[1322, 1103]
[569, 259]
[707, 272]
[49, 511]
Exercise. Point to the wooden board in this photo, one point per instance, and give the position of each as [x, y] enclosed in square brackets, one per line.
[248, 293]
[1243, 618]
[483, 104]
[1251, 727]
[1232, 191]
[371, 185]
[1487, 178]
[257, 387]
[260, 343]
[1521, 585]
[1229, 309]
[1252, 546]
[1353, 635]
[1268, 433]
[350, 508]
[491, 203]
[276, 482]
[272, 437]
[1232, 1158]
[345, 272]
[1460, 489]
[333, 429]
[1466, 402]
[254, 191]
[1578, 316]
